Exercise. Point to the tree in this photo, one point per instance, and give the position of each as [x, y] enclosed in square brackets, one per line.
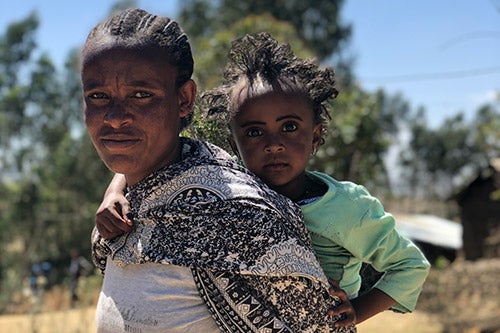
[211, 58]
[51, 174]
[363, 124]
[362, 129]
[486, 135]
[438, 161]
[211, 52]
[316, 22]
[16, 48]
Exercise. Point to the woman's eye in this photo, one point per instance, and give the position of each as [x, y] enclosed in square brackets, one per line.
[290, 127]
[97, 95]
[253, 132]
[142, 94]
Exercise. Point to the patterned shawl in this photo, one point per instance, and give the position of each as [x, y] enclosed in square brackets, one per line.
[246, 245]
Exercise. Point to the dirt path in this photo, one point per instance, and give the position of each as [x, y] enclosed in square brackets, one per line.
[69, 321]
[390, 322]
[82, 321]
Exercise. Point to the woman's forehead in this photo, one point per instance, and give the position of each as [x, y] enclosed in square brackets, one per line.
[117, 50]
[128, 67]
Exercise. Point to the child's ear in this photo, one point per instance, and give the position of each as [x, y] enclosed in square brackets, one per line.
[316, 142]
[233, 145]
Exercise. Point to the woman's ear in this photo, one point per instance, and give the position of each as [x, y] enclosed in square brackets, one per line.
[186, 98]
[233, 146]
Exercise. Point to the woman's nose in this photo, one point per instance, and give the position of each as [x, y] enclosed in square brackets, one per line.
[117, 115]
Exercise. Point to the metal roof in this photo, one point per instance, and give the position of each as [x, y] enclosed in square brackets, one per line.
[430, 229]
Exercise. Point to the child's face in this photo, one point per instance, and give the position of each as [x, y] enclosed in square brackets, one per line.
[274, 136]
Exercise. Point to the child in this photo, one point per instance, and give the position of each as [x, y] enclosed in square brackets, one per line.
[275, 104]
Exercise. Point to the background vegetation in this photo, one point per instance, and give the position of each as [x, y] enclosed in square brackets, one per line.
[51, 179]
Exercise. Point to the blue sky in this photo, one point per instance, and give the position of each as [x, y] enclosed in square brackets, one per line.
[443, 55]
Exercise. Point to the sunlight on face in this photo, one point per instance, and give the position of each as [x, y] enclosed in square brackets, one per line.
[132, 111]
[275, 135]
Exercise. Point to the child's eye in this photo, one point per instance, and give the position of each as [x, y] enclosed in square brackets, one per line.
[253, 132]
[289, 127]
[142, 94]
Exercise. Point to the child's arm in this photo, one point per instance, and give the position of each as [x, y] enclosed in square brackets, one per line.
[365, 306]
[404, 266]
[372, 238]
[371, 303]
[111, 216]
[345, 309]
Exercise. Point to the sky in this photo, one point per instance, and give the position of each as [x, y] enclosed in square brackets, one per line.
[443, 55]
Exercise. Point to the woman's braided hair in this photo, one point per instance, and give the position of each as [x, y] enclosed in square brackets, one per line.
[259, 65]
[138, 29]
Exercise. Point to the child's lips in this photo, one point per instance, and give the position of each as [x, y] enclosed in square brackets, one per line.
[276, 166]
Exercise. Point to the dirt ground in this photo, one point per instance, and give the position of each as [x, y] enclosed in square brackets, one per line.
[82, 321]
[464, 297]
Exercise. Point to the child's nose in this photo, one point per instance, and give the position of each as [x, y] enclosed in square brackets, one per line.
[274, 147]
[273, 143]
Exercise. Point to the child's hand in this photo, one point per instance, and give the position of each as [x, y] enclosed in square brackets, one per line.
[112, 216]
[345, 309]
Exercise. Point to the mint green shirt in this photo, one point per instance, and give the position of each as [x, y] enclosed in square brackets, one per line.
[348, 226]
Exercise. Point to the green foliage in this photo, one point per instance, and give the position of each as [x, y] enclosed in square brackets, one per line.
[210, 59]
[213, 130]
[16, 47]
[316, 22]
[487, 131]
[210, 53]
[363, 125]
[52, 179]
[362, 129]
[438, 161]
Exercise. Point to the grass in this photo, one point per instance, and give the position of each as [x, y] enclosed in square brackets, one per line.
[54, 315]
[66, 321]
[82, 321]
[390, 322]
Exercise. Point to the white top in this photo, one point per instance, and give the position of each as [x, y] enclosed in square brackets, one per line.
[143, 298]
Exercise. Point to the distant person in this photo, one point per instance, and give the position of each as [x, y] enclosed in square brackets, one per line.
[78, 267]
[212, 248]
[40, 278]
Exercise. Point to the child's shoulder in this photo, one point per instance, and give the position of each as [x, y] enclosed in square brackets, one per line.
[348, 188]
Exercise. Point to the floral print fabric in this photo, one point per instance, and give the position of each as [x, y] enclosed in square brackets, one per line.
[247, 246]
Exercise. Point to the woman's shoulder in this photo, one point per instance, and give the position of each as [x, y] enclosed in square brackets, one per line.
[217, 168]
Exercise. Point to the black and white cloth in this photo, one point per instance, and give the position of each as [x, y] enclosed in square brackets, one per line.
[246, 245]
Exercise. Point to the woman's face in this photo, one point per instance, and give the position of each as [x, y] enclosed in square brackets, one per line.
[132, 110]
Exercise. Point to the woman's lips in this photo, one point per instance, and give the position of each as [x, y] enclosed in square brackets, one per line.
[121, 143]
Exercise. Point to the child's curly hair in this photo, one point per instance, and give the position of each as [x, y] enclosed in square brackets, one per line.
[259, 65]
